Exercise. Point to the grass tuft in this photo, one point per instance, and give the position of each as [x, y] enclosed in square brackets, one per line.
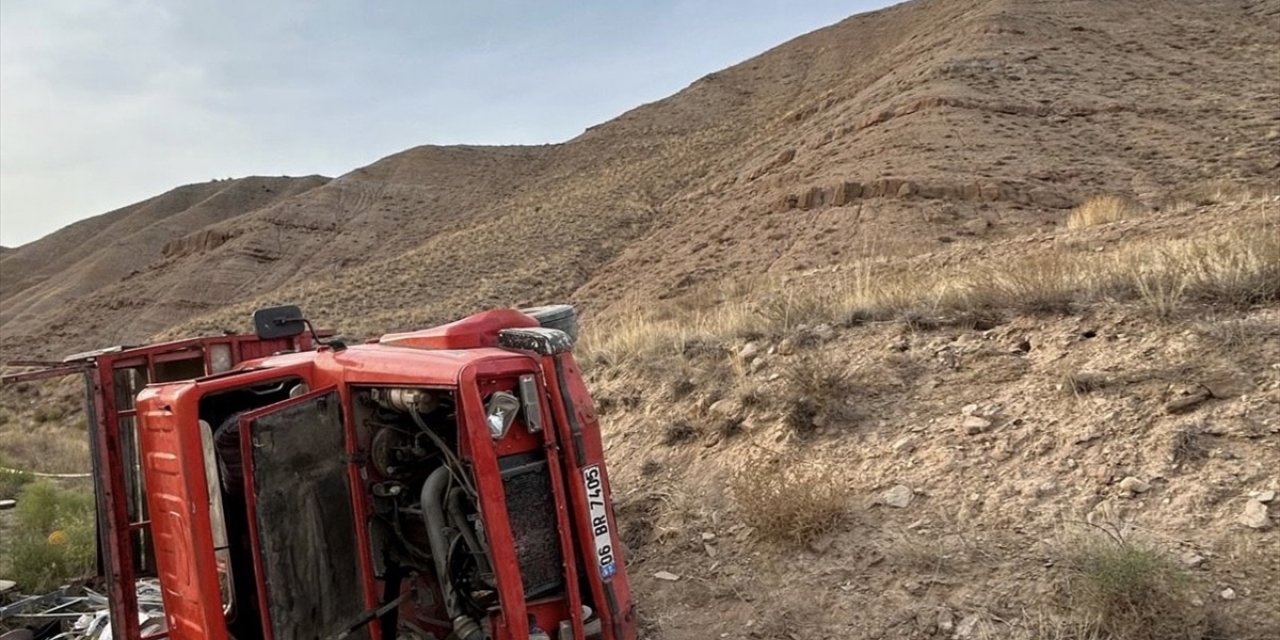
[1102, 210]
[1130, 591]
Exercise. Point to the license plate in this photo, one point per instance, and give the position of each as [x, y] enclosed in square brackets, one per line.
[598, 511]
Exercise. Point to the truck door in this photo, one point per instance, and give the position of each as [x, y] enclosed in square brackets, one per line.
[302, 520]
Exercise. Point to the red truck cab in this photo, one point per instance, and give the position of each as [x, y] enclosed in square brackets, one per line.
[445, 483]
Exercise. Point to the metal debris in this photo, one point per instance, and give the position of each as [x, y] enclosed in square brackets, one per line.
[84, 612]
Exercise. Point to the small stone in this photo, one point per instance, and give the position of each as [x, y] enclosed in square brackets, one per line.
[1088, 435]
[822, 544]
[946, 622]
[666, 576]
[1255, 515]
[967, 625]
[905, 444]
[786, 347]
[1192, 559]
[7, 586]
[974, 425]
[824, 332]
[759, 363]
[969, 409]
[749, 350]
[1228, 594]
[1265, 496]
[1134, 485]
[708, 536]
[726, 408]
[898, 496]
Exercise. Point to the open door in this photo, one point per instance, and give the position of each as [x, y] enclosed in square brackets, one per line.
[301, 517]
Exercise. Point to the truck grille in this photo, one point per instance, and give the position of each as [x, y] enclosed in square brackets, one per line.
[532, 513]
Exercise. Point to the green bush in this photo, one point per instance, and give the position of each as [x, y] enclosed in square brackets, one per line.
[11, 482]
[53, 540]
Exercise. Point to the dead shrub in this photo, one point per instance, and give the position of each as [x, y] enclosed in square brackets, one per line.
[1187, 445]
[1102, 210]
[679, 432]
[816, 388]
[1083, 383]
[788, 500]
[1129, 590]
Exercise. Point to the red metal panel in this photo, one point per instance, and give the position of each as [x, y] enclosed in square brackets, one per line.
[117, 551]
[177, 494]
[479, 447]
[363, 511]
[579, 431]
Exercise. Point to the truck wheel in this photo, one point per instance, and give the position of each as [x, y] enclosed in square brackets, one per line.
[556, 316]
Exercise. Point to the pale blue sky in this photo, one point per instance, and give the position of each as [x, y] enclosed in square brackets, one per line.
[106, 102]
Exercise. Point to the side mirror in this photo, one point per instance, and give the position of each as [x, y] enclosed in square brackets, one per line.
[278, 322]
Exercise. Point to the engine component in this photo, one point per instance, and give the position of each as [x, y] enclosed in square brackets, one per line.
[433, 494]
[405, 400]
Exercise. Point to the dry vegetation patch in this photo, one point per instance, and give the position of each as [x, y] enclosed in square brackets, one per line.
[789, 500]
[1127, 590]
[1101, 210]
[1238, 267]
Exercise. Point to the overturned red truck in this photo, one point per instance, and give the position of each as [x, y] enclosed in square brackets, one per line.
[444, 483]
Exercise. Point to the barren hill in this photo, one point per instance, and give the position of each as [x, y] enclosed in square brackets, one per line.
[884, 131]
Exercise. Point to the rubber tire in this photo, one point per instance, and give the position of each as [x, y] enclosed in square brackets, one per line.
[556, 316]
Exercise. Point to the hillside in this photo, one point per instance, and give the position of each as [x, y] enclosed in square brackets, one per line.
[874, 358]
[880, 133]
[52, 277]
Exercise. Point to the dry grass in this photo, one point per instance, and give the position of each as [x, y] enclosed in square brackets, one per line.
[788, 501]
[1235, 268]
[1102, 210]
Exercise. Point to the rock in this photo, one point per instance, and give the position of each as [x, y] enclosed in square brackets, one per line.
[749, 350]
[1192, 559]
[7, 585]
[824, 332]
[759, 363]
[726, 408]
[967, 625]
[974, 425]
[1188, 402]
[1134, 485]
[1228, 594]
[1255, 515]
[905, 444]
[946, 622]
[786, 347]
[666, 576]
[969, 409]
[708, 536]
[1088, 435]
[821, 545]
[1265, 496]
[897, 496]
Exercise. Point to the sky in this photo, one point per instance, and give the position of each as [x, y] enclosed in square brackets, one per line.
[104, 103]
